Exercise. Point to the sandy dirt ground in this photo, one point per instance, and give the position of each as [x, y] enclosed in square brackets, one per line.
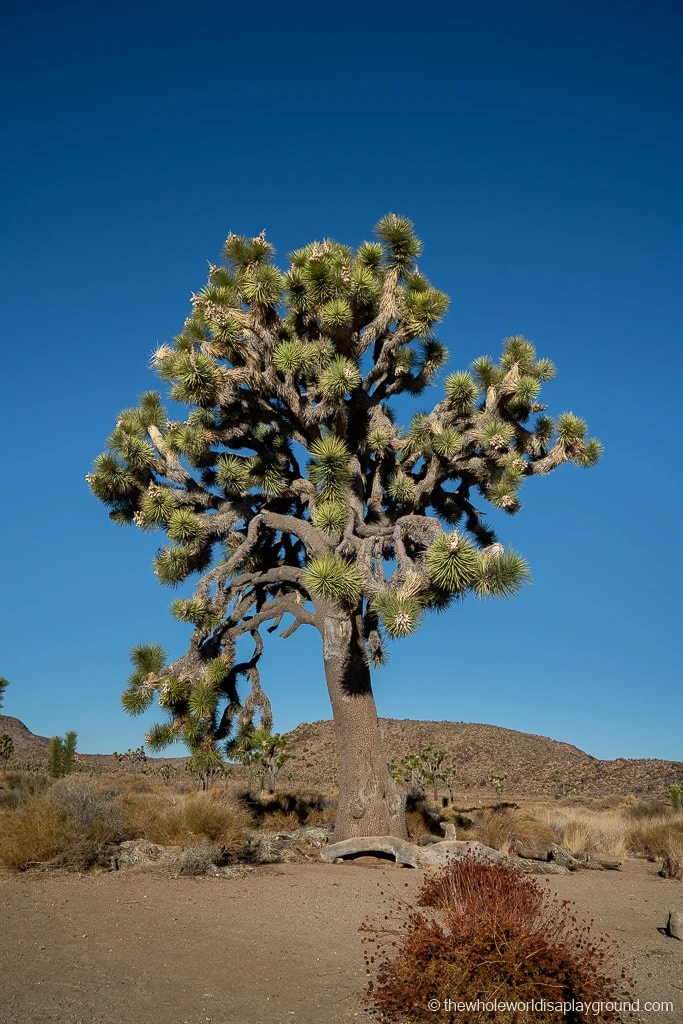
[277, 946]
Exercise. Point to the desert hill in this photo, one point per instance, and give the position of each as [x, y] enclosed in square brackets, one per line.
[534, 765]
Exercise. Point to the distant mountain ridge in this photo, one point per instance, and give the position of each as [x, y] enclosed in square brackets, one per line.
[534, 765]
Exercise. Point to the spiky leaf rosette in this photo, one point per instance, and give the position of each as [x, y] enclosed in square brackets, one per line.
[452, 563]
[461, 392]
[400, 614]
[329, 467]
[330, 516]
[501, 574]
[203, 761]
[334, 579]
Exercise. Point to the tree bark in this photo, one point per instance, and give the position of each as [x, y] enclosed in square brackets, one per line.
[370, 802]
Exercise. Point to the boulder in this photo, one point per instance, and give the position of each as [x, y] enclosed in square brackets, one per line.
[672, 867]
[674, 925]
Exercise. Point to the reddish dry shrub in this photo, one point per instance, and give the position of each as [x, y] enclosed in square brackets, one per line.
[490, 933]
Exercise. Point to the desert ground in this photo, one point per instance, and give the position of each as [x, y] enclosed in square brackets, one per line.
[279, 945]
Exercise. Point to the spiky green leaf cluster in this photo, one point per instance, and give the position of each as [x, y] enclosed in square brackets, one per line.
[329, 467]
[400, 614]
[148, 658]
[183, 525]
[447, 443]
[330, 516]
[502, 575]
[157, 505]
[588, 453]
[334, 579]
[402, 247]
[401, 487]
[233, 473]
[173, 694]
[496, 435]
[452, 563]
[172, 565]
[291, 357]
[161, 735]
[570, 428]
[110, 481]
[461, 392]
[340, 378]
[203, 699]
[196, 379]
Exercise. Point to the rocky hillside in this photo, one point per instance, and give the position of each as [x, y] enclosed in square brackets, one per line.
[534, 765]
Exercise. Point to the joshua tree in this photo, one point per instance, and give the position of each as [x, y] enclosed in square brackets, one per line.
[674, 795]
[62, 754]
[4, 683]
[265, 751]
[427, 767]
[498, 782]
[274, 750]
[6, 748]
[134, 761]
[293, 493]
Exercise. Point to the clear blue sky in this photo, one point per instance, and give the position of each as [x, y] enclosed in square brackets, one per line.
[538, 148]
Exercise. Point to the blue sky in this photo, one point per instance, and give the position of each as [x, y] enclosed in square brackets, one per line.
[538, 149]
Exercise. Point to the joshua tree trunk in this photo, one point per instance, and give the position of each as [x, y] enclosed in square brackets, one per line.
[370, 802]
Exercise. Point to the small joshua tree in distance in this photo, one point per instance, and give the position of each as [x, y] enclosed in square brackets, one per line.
[6, 748]
[62, 754]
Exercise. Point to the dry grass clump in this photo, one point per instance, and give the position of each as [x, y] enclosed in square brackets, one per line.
[500, 827]
[579, 829]
[33, 831]
[490, 933]
[638, 828]
[637, 809]
[67, 823]
[614, 827]
[196, 859]
[16, 787]
[70, 822]
[172, 820]
[657, 837]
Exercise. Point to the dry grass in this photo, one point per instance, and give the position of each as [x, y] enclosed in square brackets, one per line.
[500, 827]
[177, 820]
[76, 817]
[34, 831]
[582, 830]
[657, 837]
[626, 828]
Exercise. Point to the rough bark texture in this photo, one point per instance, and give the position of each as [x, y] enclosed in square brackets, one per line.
[370, 802]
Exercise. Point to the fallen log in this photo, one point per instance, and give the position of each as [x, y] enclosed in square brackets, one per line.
[402, 851]
[563, 858]
[529, 852]
[591, 862]
[540, 867]
[436, 855]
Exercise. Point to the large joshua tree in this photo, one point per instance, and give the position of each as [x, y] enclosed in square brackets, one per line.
[296, 498]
